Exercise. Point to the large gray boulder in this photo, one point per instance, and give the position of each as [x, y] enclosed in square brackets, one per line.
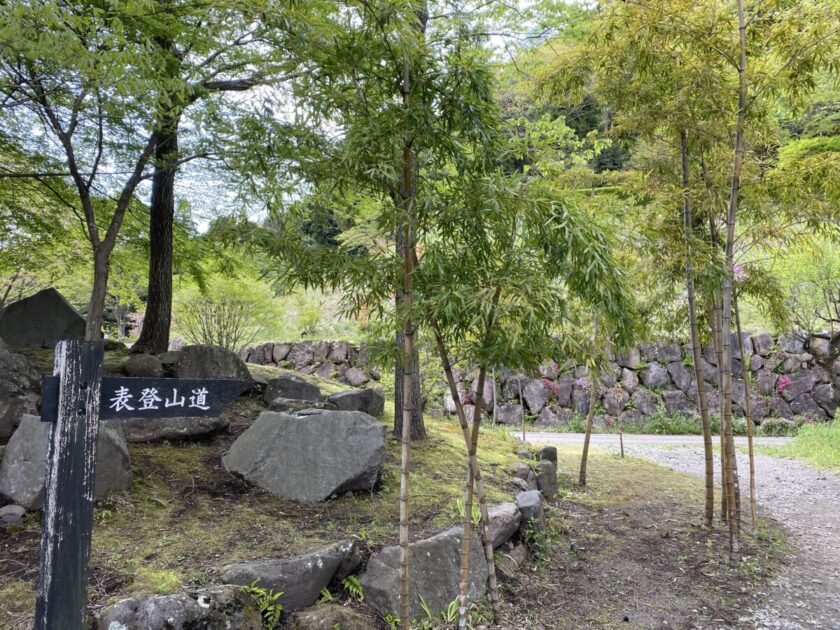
[435, 567]
[293, 387]
[655, 376]
[40, 320]
[630, 359]
[535, 394]
[212, 608]
[143, 366]
[763, 343]
[310, 456]
[488, 392]
[504, 523]
[677, 402]
[800, 383]
[23, 469]
[159, 429]
[210, 362]
[509, 413]
[546, 473]
[614, 400]
[356, 377]
[530, 507]
[370, 401]
[681, 375]
[670, 352]
[645, 401]
[805, 405]
[19, 389]
[300, 579]
[825, 397]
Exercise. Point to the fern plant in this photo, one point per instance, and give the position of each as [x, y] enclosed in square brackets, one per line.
[268, 603]
[352, 585]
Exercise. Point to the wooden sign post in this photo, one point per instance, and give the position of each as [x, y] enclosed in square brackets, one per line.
[74, 399]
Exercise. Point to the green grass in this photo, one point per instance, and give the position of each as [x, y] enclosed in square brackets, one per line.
[817, 444]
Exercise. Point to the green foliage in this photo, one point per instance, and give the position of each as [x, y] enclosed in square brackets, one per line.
[268, 603]
[818, 444]
[476, 512]
[353, 587]
[326, 596]
[231, 315]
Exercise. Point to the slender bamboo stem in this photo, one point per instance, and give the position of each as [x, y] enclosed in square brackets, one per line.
[475, 472]
[748, 412]
[695, 336]
[408, 350]
[590, 417]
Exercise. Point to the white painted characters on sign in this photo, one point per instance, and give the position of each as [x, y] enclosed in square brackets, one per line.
[199, 399]
[175, 401]
[148, 398]
[120, 400]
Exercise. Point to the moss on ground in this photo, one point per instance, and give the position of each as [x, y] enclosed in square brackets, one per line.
[185, 518]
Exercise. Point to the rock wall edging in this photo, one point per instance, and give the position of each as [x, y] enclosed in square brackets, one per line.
[790, 377]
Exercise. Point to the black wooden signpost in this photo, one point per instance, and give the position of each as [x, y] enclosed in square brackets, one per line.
[74, 399]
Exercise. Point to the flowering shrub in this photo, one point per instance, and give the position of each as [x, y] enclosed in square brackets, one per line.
[554, 387]
[782, 384]
[739, 274]
[582, 383]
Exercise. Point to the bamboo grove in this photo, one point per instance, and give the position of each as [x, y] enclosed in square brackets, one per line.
[437, 141]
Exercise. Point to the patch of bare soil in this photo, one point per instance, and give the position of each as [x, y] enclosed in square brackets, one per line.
[646, 564]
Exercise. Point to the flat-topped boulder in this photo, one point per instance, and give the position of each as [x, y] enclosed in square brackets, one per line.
[311, 455]
[300, 579]
[291, 387]
[172, 429]
[40, 320]
[210, 362]
[435, 569]
[23, 469]
[370, 401]
[504, 523]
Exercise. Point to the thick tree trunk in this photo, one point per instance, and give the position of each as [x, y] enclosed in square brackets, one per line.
[99, 290]
[154, 336]
[418, 426]
[695, 341]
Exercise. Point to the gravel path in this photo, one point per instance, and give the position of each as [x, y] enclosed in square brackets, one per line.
[806, 593]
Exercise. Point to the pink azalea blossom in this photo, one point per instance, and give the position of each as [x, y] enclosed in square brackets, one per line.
[582, 383]
[782, 384]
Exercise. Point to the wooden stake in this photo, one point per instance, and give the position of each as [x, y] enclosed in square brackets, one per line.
[68, 500]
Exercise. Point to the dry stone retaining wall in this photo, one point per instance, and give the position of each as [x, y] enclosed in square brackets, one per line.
[791, 376]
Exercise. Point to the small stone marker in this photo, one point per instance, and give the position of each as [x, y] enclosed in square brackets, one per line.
[74, 400]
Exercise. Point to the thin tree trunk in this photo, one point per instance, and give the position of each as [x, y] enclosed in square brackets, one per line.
[716, 337]
[590, 417]
[466, 539]
[475, 472]
[695, 336]
[407, 221]
[727, 281]
[748, 412]
[157, 320]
